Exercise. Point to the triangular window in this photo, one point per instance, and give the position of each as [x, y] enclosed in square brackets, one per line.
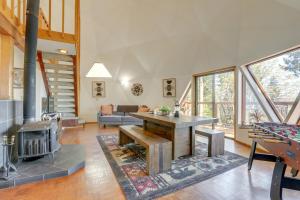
[279, 80]
[186, 101]
[253, 110]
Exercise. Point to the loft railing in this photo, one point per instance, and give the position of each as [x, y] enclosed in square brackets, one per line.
[15, 12]
[56, 14]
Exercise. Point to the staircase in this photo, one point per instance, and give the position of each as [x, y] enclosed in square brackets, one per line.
[59, 72]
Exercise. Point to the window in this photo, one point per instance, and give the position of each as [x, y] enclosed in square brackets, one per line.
[215, 98]
[279, 80]
[186, 101]
[253, 111]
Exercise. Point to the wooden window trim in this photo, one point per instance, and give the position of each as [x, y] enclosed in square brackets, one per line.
[270, 102]
[215, 72]
[244, 103]
[278, 114]
[186, 91]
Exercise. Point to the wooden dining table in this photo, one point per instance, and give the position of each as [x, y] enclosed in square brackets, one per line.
[181, 131]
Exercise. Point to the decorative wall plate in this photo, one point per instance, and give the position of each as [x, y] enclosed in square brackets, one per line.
[137, 89]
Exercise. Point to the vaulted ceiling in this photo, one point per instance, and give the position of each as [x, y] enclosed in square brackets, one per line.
[145, 38]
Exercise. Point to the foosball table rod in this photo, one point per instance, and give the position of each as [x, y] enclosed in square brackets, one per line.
[263, 137]
[256, 131]
[276, 141]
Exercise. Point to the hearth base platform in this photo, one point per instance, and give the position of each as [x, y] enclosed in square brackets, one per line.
[69, 159]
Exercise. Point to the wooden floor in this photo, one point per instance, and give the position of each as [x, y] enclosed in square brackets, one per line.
[97, 180]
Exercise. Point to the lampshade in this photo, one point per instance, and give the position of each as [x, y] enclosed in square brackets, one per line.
[98, 70]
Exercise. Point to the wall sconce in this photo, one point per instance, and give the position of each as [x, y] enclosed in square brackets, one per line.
[125, 83]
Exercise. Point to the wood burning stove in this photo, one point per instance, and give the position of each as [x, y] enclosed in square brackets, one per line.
[39, 138]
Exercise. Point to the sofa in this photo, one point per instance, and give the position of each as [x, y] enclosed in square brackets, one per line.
[106, 115]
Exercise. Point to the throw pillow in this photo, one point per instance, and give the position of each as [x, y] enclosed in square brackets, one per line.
[143, 108]
[107, 109]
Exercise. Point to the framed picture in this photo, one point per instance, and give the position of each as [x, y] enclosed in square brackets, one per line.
[98, 89]
[169, 87]
[18, 78]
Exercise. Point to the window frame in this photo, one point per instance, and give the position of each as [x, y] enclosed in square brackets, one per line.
[266, 96]
[185, 93]
[244, 104]
[195, 94]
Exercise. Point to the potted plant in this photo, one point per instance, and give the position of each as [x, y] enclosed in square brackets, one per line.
[164, 110]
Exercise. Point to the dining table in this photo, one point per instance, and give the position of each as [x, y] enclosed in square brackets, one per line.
[180, 130]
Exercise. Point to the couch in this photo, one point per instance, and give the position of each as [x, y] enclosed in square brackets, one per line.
[119, 117]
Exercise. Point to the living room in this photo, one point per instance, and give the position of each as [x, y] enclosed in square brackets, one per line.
[123, 99]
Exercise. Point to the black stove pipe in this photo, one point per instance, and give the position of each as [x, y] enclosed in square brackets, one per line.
[29, 103]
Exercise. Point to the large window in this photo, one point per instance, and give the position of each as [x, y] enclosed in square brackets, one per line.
[215, 98]
[279, 80]
[253, 112]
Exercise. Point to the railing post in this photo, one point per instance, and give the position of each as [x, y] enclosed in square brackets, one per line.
[63, 18]
[75, 84]
[3, 4]
[19, 11]
[12, 8]
[49, 18]
[24, 14]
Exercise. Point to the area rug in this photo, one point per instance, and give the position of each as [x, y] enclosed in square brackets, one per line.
[128, 164]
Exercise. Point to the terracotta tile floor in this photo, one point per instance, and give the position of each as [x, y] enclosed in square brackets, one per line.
[97, 180]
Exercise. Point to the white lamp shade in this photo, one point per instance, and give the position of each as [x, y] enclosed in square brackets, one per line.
[98, 70]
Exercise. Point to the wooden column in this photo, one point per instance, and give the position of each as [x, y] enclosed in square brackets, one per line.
[6, 66]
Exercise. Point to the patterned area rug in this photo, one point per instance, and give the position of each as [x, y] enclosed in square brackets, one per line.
[128, 165]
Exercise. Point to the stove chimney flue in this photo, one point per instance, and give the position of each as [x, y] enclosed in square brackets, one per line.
[29, 103]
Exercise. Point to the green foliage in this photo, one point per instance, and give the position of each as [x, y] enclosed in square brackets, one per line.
[292, 62]
[165, 109]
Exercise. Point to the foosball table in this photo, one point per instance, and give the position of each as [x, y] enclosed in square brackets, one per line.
[283, 143]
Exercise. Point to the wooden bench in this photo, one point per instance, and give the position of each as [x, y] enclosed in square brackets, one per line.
[215, 141]
[158, 149]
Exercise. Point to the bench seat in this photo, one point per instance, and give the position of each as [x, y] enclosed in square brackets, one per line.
[215, 140]
[158, 149]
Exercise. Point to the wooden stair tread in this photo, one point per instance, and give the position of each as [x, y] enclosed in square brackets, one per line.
[61, 90]
[51, 71]
[63, 103]
[57, 57]
[61, 83]
[59, 67]
[59, 75]
[54, 94]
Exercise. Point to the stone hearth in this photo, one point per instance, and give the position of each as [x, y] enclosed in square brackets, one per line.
[69, 159]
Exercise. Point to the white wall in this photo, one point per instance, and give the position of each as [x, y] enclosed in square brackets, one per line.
[149, 40]
[117, 94]
[40, 91]
[18, 63]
